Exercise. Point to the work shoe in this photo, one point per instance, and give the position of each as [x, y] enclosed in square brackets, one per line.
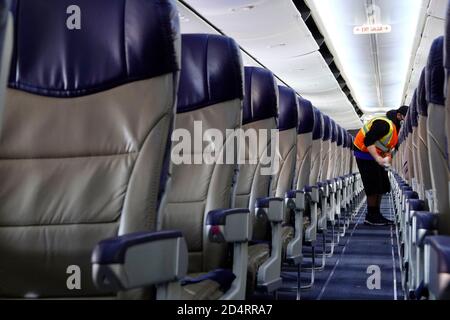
[377, 220]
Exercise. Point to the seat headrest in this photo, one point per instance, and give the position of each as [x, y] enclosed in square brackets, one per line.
[288, 106]
[339, 139]
[434, 73]
[422, 105]
[413, 110]
[4, 11]
[447, 39]
[333, 131]
[318, 124]
[211, 71]
[260, 95]
[79, 47]
[408, 122]
[326, 128]
[305, 116]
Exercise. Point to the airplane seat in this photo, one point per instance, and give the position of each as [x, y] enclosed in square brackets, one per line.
[328, 203]
[282, 181]
[438, 247]
[434, 81]
[409, 149]
[6, 43]
[447, 75]
[422, 141]
[340, 208]
[287, 125]
[83, 138]
[304, 143]
[405, 153]
[199, 201]
[327, 186]
[326, 146]
[435, 279]
[312, 192]
[325, 159]
[415, 139]
[260, 113]
[295, 198]
[316, 152]
[334, 155]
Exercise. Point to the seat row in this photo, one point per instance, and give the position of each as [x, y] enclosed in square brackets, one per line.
[133, 157]
[420, 180]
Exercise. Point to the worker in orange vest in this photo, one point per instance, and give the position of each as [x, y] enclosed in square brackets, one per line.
[373, 148]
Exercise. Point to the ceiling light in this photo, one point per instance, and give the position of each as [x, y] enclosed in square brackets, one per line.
[277, 45]
[243, 8]
[183, 18]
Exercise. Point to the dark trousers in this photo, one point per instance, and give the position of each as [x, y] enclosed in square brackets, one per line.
[374, 177]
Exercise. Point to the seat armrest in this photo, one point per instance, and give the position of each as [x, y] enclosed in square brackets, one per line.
[441, 245]
[128, 261]
[438, 266]
[313, 193]
[324, 188]
[229, 225]
[424, 223]
[272, 207]
[295, 199]
[413, 206]
[232, 226]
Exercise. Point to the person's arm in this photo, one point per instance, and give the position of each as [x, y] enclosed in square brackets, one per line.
[378, 130]
[386, 161]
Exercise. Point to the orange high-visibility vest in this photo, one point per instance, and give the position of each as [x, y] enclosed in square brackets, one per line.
[385, 144]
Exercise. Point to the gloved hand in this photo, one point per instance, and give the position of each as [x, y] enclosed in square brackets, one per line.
[385, 162]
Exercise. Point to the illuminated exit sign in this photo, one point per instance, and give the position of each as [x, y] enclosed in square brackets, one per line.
[370, 29]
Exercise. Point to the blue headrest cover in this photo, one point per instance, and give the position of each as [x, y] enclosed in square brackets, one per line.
[447, 39]
[422, 105]
[434, 73]
[305, 116]
[318, 125]
[333, 131]
[339, 135]
[112, 43]
[408, 122]
[288, 106]
[413, 108]
[326, 128]
[261, 95]
[4, 11]
[211, 71]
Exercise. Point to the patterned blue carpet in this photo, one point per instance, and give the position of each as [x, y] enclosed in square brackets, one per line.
[365, 264]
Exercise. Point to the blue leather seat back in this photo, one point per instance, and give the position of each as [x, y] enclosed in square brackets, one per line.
[304, 143]
[209, 100]
[6, 28]
[88, 117]
[261, 103]
[305, 116]
[282, 181]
